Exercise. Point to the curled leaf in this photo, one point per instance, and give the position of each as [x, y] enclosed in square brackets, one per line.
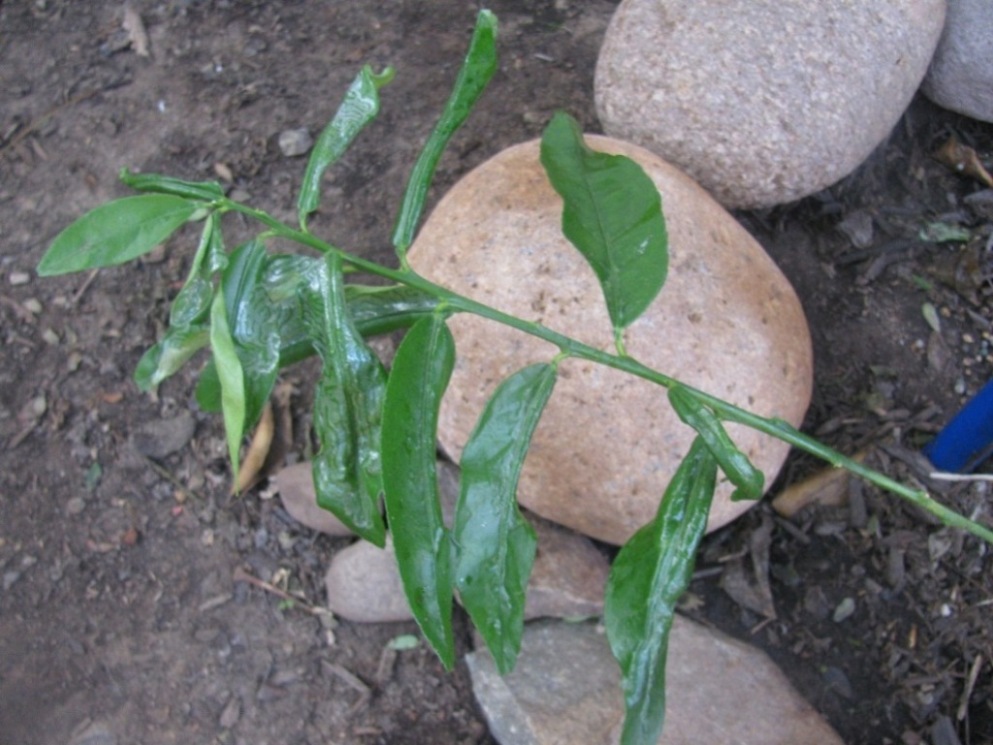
[204, 191]
[421, 371]
[348, 409]
[230, 377]
[477, 69]
[749, 480]
[360, 106]
[495, 545]
[650, 573]
[169, 354]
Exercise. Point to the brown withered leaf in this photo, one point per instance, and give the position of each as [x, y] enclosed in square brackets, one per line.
[963, 159]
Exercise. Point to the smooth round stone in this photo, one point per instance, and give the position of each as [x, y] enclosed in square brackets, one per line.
[763, 101]
[961, 74]
[727, 322]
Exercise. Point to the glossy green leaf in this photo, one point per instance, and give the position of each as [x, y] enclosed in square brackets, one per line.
[612, 214]
[495, 545]
[380, 310]
[254, 325]
[420, 374]
[373, 309]
[231, 378]
[170, 354]
[116, 232]
[360, 107]
[748, 480]
[648, 576]
[477, 69]
[205, 191]
[348, 408]
[192, 303]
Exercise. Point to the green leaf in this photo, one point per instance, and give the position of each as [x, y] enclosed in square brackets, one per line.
[192, 303]
[477, 69]
[495, 545]
[612, 213]
[204, 191]
[348, 409]
[168, 355]
[208, 390]
[254, 325]
[360, 107]
[421, 371]
[649, 574]
[380, 310]
[748, 480]
[116, 232]
[231, 378]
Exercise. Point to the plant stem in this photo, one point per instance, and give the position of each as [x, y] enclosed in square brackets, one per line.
[624, 363]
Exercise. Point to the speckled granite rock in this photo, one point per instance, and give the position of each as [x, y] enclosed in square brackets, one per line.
[566, 690]
[763, 101]
[727, 322]
[961, 73]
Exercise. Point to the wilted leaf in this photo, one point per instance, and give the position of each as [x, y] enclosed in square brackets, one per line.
[477, 69]
[649, 574]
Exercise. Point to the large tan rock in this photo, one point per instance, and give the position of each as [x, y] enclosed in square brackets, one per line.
[727, 322]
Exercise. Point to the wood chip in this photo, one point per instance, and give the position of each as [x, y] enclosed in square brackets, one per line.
[828, 488]
[136, 31]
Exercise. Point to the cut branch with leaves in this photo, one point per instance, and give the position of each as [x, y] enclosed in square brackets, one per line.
[258, 312]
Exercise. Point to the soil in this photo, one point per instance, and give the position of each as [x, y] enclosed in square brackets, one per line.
[120, 615]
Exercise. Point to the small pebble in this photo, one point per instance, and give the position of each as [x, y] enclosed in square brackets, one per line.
[294, 142]
[50, 337]
[32, 305]
[19, 278]
[844, 610]
[75, 505]
[231, 713]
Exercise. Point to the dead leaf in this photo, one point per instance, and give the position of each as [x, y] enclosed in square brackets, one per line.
[257, 451]
[963, 159]
[753, 592]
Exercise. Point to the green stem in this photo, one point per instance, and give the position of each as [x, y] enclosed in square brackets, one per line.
[625, 363]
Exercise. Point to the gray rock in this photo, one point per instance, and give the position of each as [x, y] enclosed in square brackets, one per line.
[763, 101]
[566, 689]
[296, 491]
[569, 574]
[727, 321]
[294, 142]
[95, 733]
[160, 438]
[961, 73]
[363, 585]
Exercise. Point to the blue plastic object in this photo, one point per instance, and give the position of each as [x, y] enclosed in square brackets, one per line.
[967, 440]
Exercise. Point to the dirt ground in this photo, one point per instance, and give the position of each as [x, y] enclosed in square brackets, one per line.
[120, 619]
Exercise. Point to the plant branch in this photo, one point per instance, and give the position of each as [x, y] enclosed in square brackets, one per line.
[624, 363]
